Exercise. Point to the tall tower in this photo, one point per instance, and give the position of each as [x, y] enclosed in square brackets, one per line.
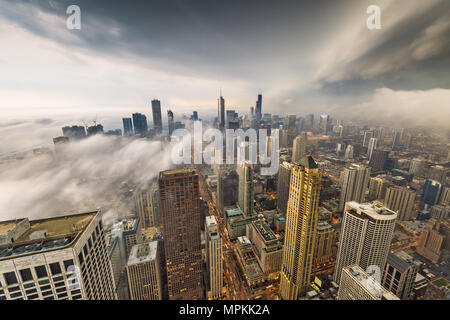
[258, 109]
[301, 224]
[221, 112]
[140, 124]
[245, 198]
[180, 227]
[283, 183]
[299, 149]
[157, 118]
[127, 127]
[354, 180]
[372, 146]
[366, 235]
[170, 121]
[400, 200]
[213, 257]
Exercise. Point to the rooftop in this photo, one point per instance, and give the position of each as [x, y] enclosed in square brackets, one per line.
[264, 230]
[234, 212]
[374, 209]
[143, 252]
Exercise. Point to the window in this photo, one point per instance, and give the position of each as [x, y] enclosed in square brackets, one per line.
[15, 295]
[55, 268]
[58, 278]
[12, 289]
[80, 258]
[30, 291]
[85, 250]
[26, 275]
[45, 288]
[59, 290]
[59, 284]
[34, 296]
[43, 281]
[10, 278]
[41, 272]
[67, 264]
[49, 298]
[46, 293]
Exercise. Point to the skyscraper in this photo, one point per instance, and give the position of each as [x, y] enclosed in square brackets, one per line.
[301, 224]
[127, 127]
[213, 258]
[157, 117]
[377, 188]
[289, 123]
[366, 235]
[367, 136]
[170, 121]
[372, 146]
[74, 132]
[299, 148]
[324, 122]
[143, 271]
[258, 108]
[400, 200]
[416, 166]
[354, 180]
[399, 274]
[378, 159]
[221, 112]
[283, 185]
[349, 152]
[140, 124]
[396, 140]
[245, 199]
[144, 208]
[431, 193]
[180, 227]
[227, 189]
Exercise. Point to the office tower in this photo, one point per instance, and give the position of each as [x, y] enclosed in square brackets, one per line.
[60, 144]
[299, 149]
[399, 274]
[221, 112]
[131, 232]
[400, 200]
[438, 173]
[445, 196]
[180, 227]
[144, 208]
[309, 121]
[323, 248]
[258, 108]
[367, 136]
[59, 258]
[377, 188]
[231, 114]
[396, 140]
[356, 284]
[378, 159]
[432, 191]
[245, 199]
[366, 235]
[301, 224]
[140, 124]
[74, 132]
[115, 247]
[371, 147]
[170, 121]
[157, 117]
[283, 185]
[284, 138]
[195, 116]
[143, 271]
[354, 180]
[439, 212]
[227, 189]
[214, 265]
[252, 111]
[431, 240]
[268, 247]
[95, 129]
[324, 122]
[127, 127]
[116, 132]
[416, 166]
[349, 152]
[289, 124]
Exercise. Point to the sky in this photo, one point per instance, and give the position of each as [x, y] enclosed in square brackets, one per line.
[303, 56]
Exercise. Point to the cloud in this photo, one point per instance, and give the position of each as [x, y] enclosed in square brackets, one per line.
[100, 171]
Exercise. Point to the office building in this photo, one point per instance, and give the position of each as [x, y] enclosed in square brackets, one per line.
[323, 248]
[354, 180]
[181, 227]
[221, 112]
[227, 189]
[377, 188]
[144, 208]
[400, 200]
[396, 140]
[74, 132]
[143, 271]
[432, 240]
[59, 258]
[300, 233]
[399, 274]
[258, 108]
[157, 116]
[324, 123]
[379, 159]
[349, 151]
[127, 126]
[432, 191]
[299, 148]
[416, 167]
[356, 284]
[95, 129]
[140, 124]
[440, 212]
[365, 238]
[438, 173]
[372, 146]
[214, 266]
[245, 197]
[283, 185]
[170, 121]
[367, 136]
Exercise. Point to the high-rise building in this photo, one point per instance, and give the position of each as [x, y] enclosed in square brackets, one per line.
[431, 241]
[214, 265]
[438, 173]
[60, 258]
[289, 123]
[324, 123]
[366, 234]
[127, 127]
[143, 271]
[400, 200]
[144, 208]
[157, 116]
[372, 146]
[309, 121]
[258, 108]
[180, 227]
[396, 140]
[170, 120]
[378, 159]
[356, 284]
[323, 248]
[95, 129]
[416, 167]
[367, 136]
[301, 223]
[432, 191]
[354, 180]
[221, 112]
[246, 191]
[377, 188]
[140, 124]
[74, 132]
[399, 274]
[299, 148]
[283, 185]
[227, 189]
[349, 152]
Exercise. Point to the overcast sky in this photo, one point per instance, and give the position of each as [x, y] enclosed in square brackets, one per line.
[303, 56]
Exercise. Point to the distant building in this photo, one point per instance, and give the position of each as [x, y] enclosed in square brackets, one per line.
[127, 127]
[400, 200]
[74, 132]
[431, 193]
[140, 124]
[283, 185]
[170, 120]
[379, 159]
[377, 188]
[157, 117]
[324, 248]
[299, 148]
[354, 180]
[246, 191]
[93, 130]
[432, 241]
[227, 189]
[214, 264]
[144, 208]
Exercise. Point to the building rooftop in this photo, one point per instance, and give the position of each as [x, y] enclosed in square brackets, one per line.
[143, 252]
[374, 209]
[234, 212]
[264, 230]
[45, 234]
